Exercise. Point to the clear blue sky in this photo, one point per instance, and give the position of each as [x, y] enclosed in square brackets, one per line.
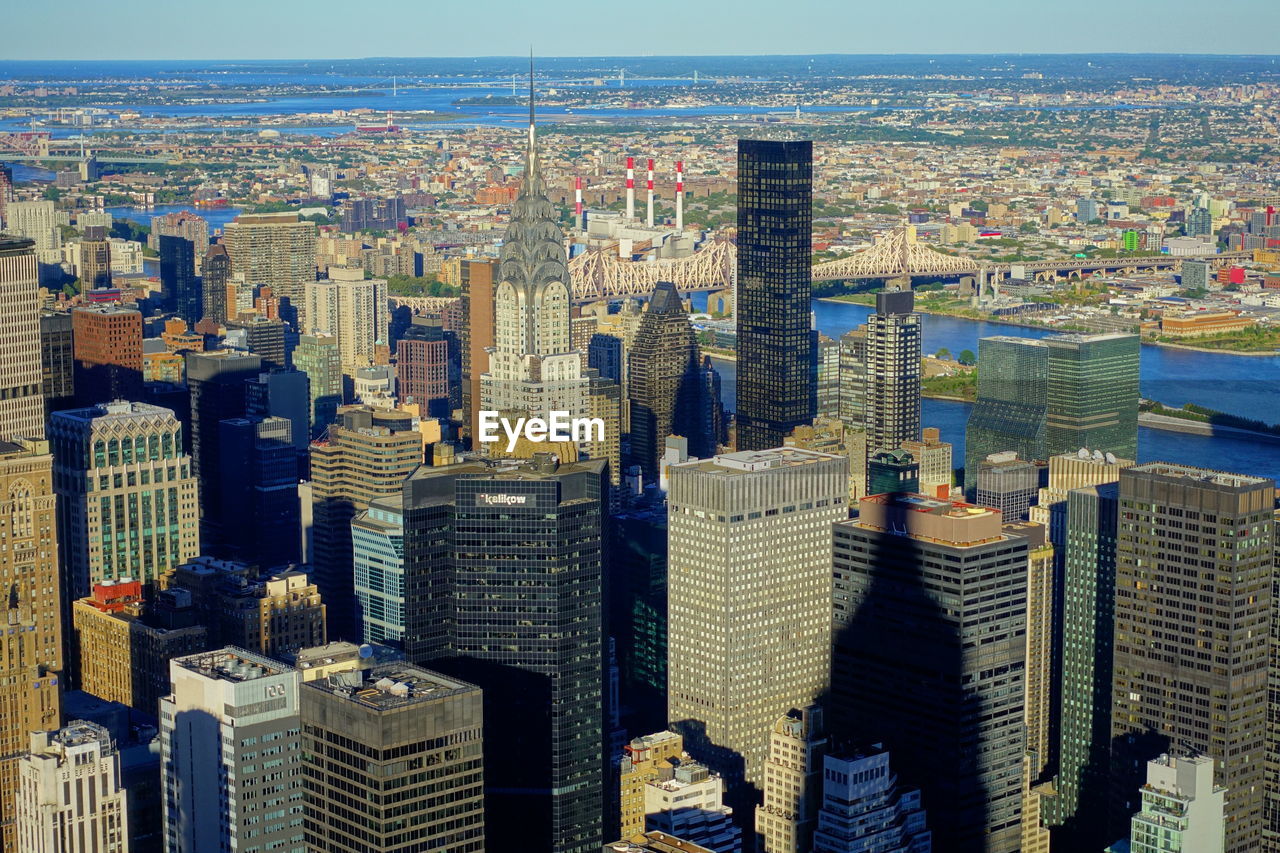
[337, 29]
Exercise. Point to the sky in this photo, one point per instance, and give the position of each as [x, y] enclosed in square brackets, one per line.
[341, 29]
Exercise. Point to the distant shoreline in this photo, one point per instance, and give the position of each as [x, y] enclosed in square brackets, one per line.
[1003, 322]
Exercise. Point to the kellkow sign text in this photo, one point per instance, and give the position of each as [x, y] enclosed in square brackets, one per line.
[557, 426]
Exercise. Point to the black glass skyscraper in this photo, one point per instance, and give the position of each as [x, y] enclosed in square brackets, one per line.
[503, 567]
[178, 277]
[775, 218]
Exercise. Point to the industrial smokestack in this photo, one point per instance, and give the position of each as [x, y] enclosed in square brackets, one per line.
[680, 195]
[631, 188]
[577, 200]
[648, 219]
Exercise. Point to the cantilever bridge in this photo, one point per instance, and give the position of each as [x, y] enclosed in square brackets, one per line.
[601, 275]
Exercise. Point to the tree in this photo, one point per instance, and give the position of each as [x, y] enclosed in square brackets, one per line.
[1029, 227]
[943, 353]
[967, 358]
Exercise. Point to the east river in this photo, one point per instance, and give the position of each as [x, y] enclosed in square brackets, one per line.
[1239, 384]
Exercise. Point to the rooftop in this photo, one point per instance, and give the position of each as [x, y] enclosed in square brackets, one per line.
[232, 664]
[391, 685]
[747, 461]
[1208, 476]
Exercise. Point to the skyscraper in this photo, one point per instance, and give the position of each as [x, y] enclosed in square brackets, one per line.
[31, 644]
[504, 586]
[230, 749]
[1008, 484]
[94, 268]
[186, 225]
[377, 551]
[217, 384]
[1193, 676]
[533, 368]
[1040, 398]
[178, 278]
[57, 362]
[853, 378]
[891, 398]
[108, 353]
[281, 393]
[71, 797]
[792, 782]
[749, 602]
[1092, 398]
[933, 455]
[930, 600]
[1010, 410]
[259, 491]
[775, 224]
[864, 808]
[476, 335]
[422, 368]
[38, 222]
[21, 393]
[127, 494]
[664, 383]
[277, 249]
[368, 739]
[1079, 806]
[366, 455]
[827, 377]
[317, 357]
[213, 286]
[354, 310]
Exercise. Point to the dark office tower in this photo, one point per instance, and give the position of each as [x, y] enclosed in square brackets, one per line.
[503, 568]
[422, 368]
[892, 471]
[107, 344]
[371, 740]
[664, 382]
[1078, 810]
[775, 235]
[259, 491]
[216, 381]
[605, 354]
[57, 361]
[21, 402]
[1009, 415]
[1092, 394]
[1193, 610]
[929, 658]
[178, 279]
[637, 615]
[717, 424]
[477, 335]
[281, 394]
[891, 397]
[364, 456]
[213, 285]
[6, 190]
[265, 338]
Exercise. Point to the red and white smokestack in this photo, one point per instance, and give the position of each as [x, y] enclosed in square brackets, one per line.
[679, 195]
[631, 188]
[649, 186]
[577, 199]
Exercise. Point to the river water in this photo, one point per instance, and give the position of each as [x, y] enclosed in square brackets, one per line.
[1244, 385]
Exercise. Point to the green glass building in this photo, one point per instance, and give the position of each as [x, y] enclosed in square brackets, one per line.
[1079, 811]
[1055, 395]
[1013, 377]
[1092, 394]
